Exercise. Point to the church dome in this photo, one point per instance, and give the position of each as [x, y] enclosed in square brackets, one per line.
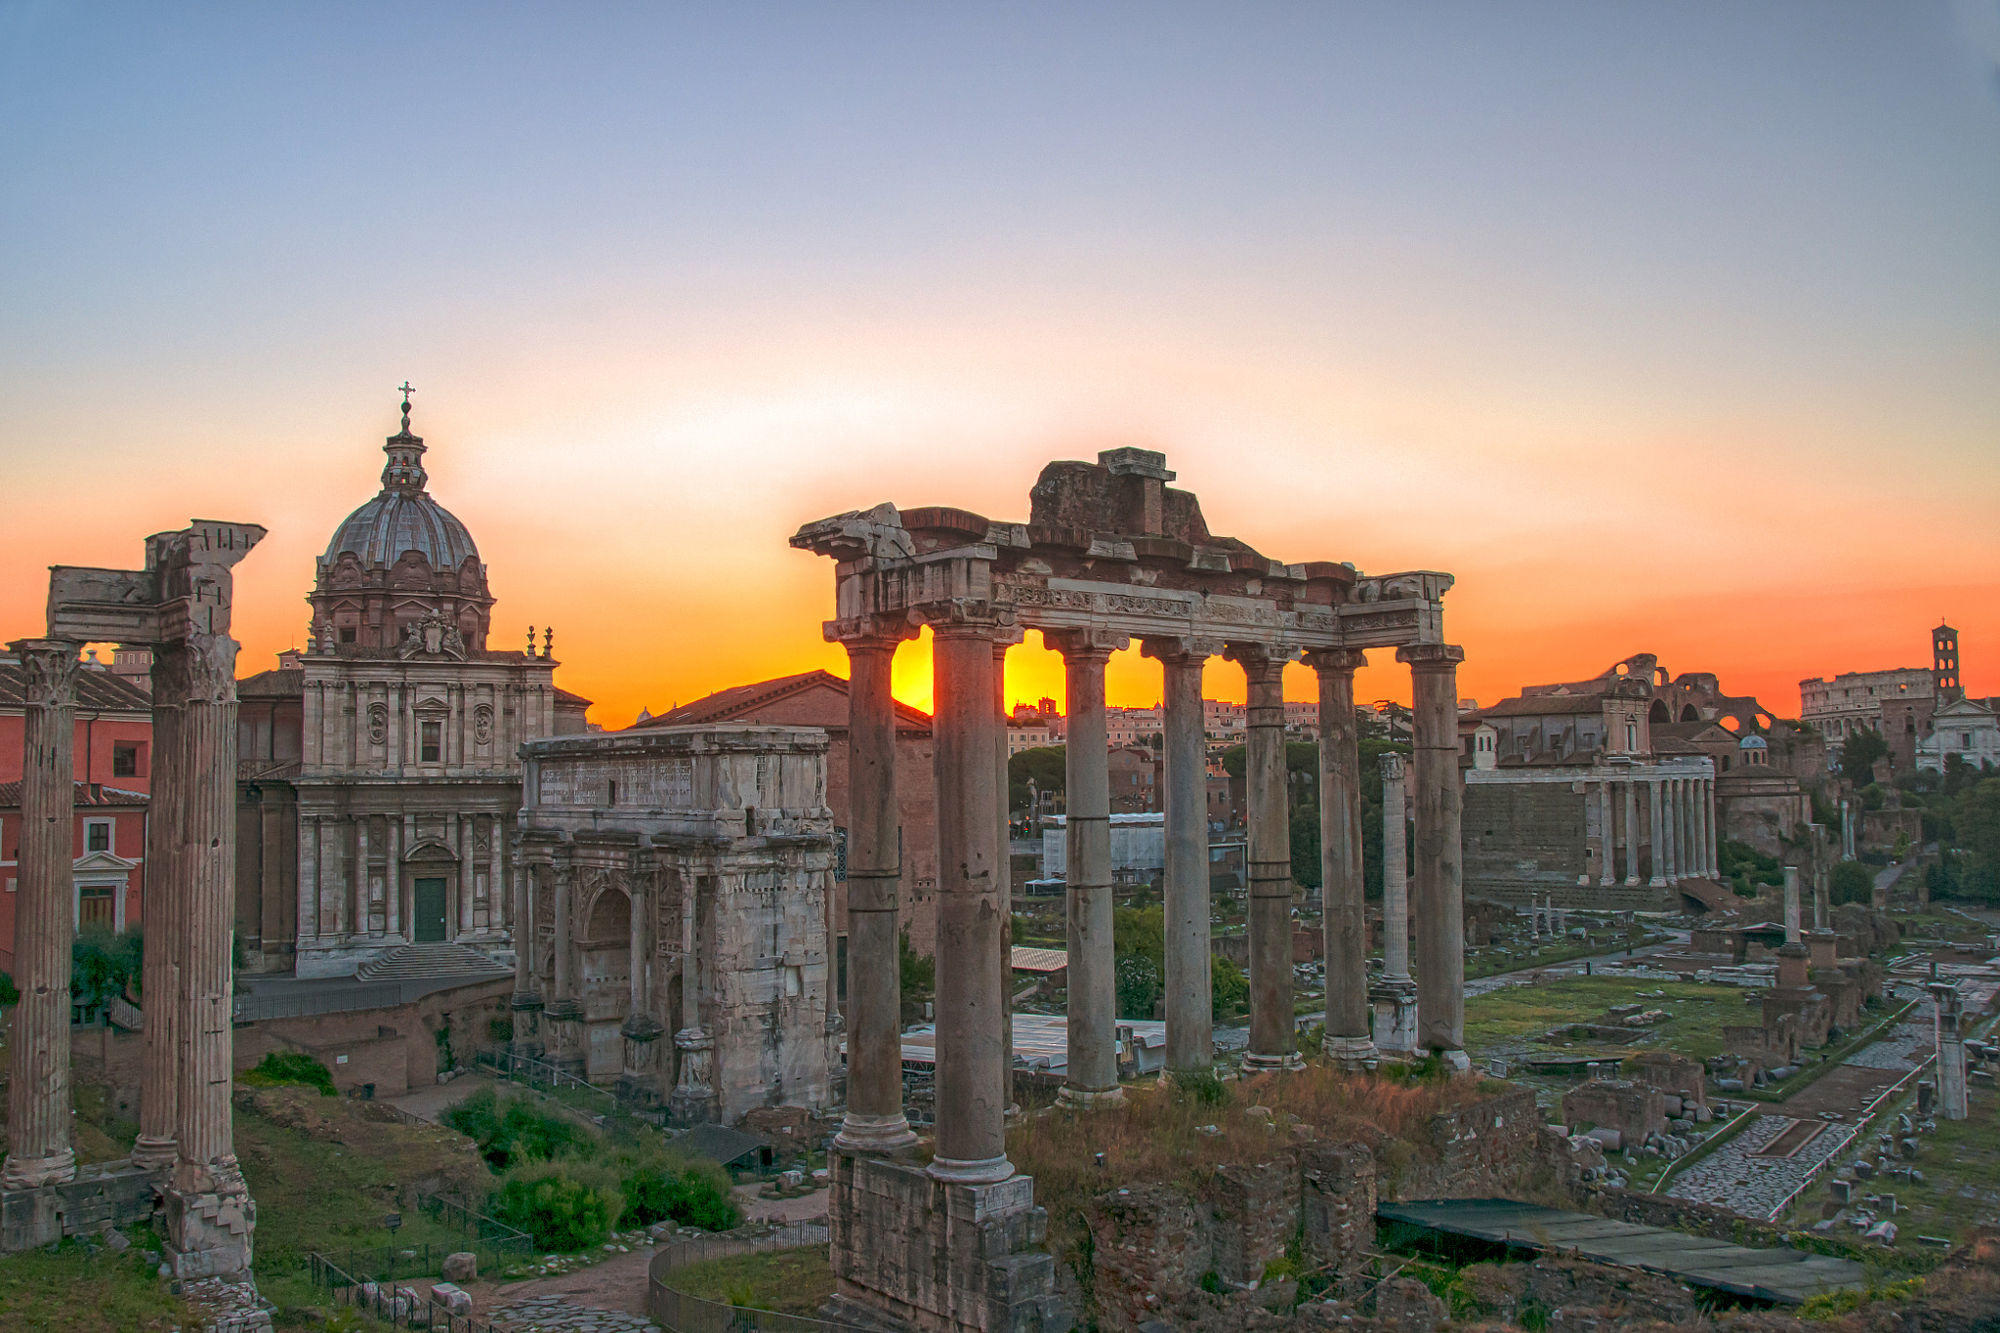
[394, 522]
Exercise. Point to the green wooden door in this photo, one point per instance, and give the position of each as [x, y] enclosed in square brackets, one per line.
[430, 910]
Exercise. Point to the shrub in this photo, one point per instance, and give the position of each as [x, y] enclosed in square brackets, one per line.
[1851, 882]
[662, 1186]
[564, 1205]
[289, 1069]
[513, 1131]
[9, 993]
[1229, 989]
[1138, 985]
[1203, 1087]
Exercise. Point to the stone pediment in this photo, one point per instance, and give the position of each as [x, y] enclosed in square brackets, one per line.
[103, 863]
[430, 851]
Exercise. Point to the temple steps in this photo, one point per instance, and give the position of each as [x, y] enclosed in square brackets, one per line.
[422, 962]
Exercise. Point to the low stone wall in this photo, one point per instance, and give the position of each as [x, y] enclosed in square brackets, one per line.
[97, 1200]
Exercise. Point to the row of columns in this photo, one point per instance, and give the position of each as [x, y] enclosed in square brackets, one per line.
[1680, 824]
[184, 1121]
[972, 1071]
[336, 863]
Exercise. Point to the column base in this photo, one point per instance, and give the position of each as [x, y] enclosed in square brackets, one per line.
[1657, 882]
[209, 1231]
[1258, 1064]
[1087, 1099]
[1395, 1018]
[979, 1171]
[694, 1106]
[875, 1133]
[1631, 881]
[27, 1173]
[1458, 1062]
[154, 1154]
[1351, 1053]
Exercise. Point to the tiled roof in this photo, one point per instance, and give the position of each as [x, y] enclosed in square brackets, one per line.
[1546, 705]
[92, 794]
[742, 701]
[97, 689]
[278, 683]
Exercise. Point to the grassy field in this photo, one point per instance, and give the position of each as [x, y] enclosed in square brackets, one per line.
[1698, 1013]
[69, 1290]
[796, 1282]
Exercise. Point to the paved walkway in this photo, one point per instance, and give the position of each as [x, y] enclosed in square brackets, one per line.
[559, 1314]
[1737, 1177]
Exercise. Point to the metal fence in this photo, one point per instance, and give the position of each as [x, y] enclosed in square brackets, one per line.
[488, 1233]
[541, 1074]
[680, 1312]
[380, 1299]
[256, 1007]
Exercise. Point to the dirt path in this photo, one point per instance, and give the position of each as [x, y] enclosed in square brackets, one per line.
[619, 1283]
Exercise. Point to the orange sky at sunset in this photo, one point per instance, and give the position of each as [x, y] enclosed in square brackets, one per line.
[1669, 330]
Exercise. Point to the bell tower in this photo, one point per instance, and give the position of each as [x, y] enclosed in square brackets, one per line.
[1944, 664]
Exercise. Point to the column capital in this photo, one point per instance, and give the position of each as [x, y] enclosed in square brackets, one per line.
[964, 617]
[877, 630]
[198, 669]
[1392, 766]
[48, 671]
[1257, 659]
[1080, 644]
[1430, 656]
[1180, 648]
[1344, 660]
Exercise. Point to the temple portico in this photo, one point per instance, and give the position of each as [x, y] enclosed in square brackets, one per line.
[1110, 556]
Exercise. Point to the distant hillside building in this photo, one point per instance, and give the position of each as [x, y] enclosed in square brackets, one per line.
[1898, 704]
[379, 782]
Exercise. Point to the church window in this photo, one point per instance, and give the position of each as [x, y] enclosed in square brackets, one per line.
[433, 743]
[97, 836]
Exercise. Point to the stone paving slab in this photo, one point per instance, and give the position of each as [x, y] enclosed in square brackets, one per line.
[1736, 1178]
[559, 1314]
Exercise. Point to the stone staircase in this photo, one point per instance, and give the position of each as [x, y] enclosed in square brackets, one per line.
[430, 962]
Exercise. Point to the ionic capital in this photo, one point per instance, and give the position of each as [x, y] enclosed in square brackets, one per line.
[1343, 661]
[1258, 660]
[1180, 649]
[1431, 656]
[877, 630]
[1392, 766]
[1082, 644]
[48, 672]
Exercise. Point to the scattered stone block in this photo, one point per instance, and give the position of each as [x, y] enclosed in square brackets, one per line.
[460, 1267]
[452, 1298]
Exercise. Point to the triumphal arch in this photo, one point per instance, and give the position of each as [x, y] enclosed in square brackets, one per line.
[1110, 555]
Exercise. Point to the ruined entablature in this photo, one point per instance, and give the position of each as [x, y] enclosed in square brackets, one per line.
[1110, 546]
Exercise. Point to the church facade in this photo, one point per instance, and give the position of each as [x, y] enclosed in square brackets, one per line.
[379, 775]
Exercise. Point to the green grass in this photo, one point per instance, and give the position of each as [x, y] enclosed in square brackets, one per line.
[796, 1282]
[67, 1290]
[1699, 1011]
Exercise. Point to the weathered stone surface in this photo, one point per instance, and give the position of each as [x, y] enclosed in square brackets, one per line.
[460, 1267]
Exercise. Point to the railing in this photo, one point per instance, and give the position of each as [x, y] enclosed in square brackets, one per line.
[541, 1074]
[256, 1008]
[504, 1241]
[679, 1312]
[405, 1308]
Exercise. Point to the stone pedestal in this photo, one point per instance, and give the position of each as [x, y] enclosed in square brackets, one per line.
[693, 1101]
[1395, 1004]
[938, 1256]
[565, 1049]
[208, 1231]
[639, 1080]
[94, 1199]
[1823, 945]
[527, 1043]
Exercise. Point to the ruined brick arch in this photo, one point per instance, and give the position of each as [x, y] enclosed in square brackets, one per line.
[1688, 713]
[1659, 712]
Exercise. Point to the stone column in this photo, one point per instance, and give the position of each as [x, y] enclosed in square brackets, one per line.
[1348, 1038]
[1670, 815]
[38, 1109]
[1439, 901]
[1947, 1015]
[694, 1092]
[1396, 995]
[1631, 831]
[208, 1210]
[160, 966]
[565, 1011]
[1273, 1033]
[1607, 836]
[1792, 905]
[874, 1121]
[1093, 992]
[527, 999]
[971, 1085]
[1654, 833]
[392, 873]
[1705, 803]
[309, 913]
[1001, 643]
[363, 920]
[639, 1081]
[1689, 868]
[1190, 991]
[496, 874]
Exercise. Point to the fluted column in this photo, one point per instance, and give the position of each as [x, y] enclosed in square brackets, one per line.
[1190, 991]
[874, 1121]
[1714, 831]
[1343, 890]
[1655, 828]
[38, 1111]
[1002, 641]
[639, 1081]
[971, 1091]
[527, 999]
[1439, 898]
[1092, 1077]
[1607, 837]
[1631, 831]
[1273, 1034]
[694, 1092]
[565, 1010]
[160, 966]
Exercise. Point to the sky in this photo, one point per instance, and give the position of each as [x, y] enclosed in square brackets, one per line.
[1664, 328]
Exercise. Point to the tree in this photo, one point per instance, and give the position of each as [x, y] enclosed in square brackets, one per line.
[1047, 765]
[1858, 754]
[1229, 989]
[1141, 931]
[919, 978]
[1851, 882]
[102, 965]
[1138, 985]
[1975, 819]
